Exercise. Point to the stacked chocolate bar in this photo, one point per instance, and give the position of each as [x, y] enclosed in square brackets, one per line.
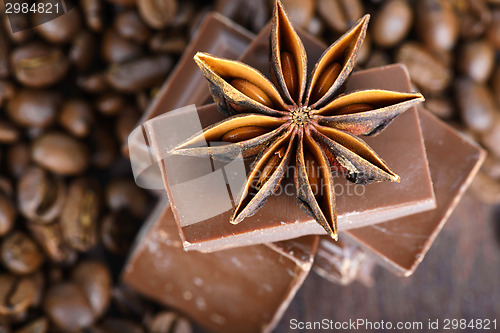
[242, 277]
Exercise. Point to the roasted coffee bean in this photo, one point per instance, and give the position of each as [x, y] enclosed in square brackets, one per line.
[58, 30]
[476, 104]
[315, 26]
[491, 138]
[486, 188]
[68, 307]
[18, 158]
[125, 194]
[426, 71]
[60, 153]
[80, 214]
[118, 230]
[39, 281]
[20, 254]
[118, 325]
[22, 22]
[93, 13]
[16, 294]
[128, 302]
[139, 74]
[476, 60]
[40, 325]
[115, 49]
[8, 132]
[491, 166]
[93, 83]
[34, 108]
[130, 26]
[4, 55]
[437, 24]
[340, 15]
[496, 84]
[104, 148]
[7, 91]
[95, 280]
[77, 117]
[475, 16]
[38, 65]
[7, 214]
[50, 239]
[440, 106]
[493, 32]
[163, 42]
[169, 322]
[40, 196]
[111, 104]
[250, 14]
[392, 23]
[126, 123]
[158, 14]
[82, 50]
[300, 11]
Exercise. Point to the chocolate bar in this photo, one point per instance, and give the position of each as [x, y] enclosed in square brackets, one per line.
[245, 289]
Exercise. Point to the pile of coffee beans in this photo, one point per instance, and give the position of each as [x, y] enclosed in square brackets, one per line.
[73, 88]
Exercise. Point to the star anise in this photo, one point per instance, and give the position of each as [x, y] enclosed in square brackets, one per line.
[303, 122]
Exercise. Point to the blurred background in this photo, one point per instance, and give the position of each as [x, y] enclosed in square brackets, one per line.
[74, 85]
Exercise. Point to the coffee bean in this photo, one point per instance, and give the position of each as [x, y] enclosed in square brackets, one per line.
[60, 153]
[104, 148]
[485, 188]
[93, 83]
[125, 194]
[392, 23]
[7, 91]
[126, 123]
[491, 166]
[437, 24]
[426, 71]
[118, 230]
[18, 159]
[377, 58]
[82, 50]
[440, 106]
[158, 14]
[68, 307]
[128, 302]
[58, 30]
[34, 108]
[475, 16]
[38, 65]
[49, 237]
[95, 279]
[125, 3]
[493, 32]
[496, 84]
[77, 117]
[4, 55]
[491, 138]
[130, 26]
[115, 49]
[16, 294]
[8, 132]
[40, 325]
[80, 214]
[40, 197]
[477, 59]
[340, 15]
[110, 104]
[22, 22]
[167, 43]
[93, 13]
[118, 325]
[476, 104]
[300, 11]
[139, 74]
[7, 214]
[169, 322]
[20, 254]
[39, 281]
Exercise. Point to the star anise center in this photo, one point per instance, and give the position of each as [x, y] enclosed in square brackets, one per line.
[301, 115]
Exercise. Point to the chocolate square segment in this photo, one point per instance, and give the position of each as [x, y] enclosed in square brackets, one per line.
[239, 290]
[281, 218]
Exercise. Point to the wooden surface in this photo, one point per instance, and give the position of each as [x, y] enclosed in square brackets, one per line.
[459, 278]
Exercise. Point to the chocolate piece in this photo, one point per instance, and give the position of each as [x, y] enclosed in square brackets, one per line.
[249, 287]
[401, 244]
[207, 227]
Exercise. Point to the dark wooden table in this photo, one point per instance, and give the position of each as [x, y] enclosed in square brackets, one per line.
[458, 279]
